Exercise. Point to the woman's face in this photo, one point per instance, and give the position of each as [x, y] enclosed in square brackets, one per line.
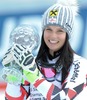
[54, 38]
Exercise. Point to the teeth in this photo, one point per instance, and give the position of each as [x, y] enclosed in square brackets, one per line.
[53, 41]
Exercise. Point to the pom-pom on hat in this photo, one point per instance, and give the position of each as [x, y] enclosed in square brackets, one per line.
[61, 14]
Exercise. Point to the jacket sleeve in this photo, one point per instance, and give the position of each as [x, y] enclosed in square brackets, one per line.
[17, 92]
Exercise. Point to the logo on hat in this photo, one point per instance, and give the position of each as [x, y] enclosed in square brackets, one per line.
[53, 13]
[53, 16]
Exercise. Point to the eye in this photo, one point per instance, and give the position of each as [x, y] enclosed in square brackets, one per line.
[48, 29]
[60, 30]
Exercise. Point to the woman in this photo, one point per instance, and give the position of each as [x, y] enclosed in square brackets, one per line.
[64, 70]
[63, 74]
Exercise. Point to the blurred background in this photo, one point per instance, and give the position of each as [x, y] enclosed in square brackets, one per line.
[16, 12]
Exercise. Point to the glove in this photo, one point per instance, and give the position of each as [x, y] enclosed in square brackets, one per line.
[23, 57]
[17, 58]
[12, 72]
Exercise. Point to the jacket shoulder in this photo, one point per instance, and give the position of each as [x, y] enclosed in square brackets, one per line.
[79, 58]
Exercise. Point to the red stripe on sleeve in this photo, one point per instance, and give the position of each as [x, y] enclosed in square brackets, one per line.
[38, 82]
[49, 94]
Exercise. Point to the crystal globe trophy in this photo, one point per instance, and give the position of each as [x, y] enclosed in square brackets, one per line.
[27, 36]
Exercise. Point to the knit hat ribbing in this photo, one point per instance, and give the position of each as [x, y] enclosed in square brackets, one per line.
[59, 15]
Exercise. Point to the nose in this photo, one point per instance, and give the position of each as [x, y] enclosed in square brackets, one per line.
[54, 35]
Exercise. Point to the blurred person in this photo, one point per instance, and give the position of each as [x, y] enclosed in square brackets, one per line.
[62, 74]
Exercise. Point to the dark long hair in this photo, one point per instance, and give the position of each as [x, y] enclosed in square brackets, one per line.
[66, 56]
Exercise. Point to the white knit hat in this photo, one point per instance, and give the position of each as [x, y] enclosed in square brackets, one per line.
[61, 14]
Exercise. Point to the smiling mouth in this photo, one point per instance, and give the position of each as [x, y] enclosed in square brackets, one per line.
[53, 41]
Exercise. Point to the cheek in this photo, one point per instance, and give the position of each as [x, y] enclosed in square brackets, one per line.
[63, 38]
[46, 36]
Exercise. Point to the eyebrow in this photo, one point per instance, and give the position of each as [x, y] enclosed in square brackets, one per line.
[60, 29]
